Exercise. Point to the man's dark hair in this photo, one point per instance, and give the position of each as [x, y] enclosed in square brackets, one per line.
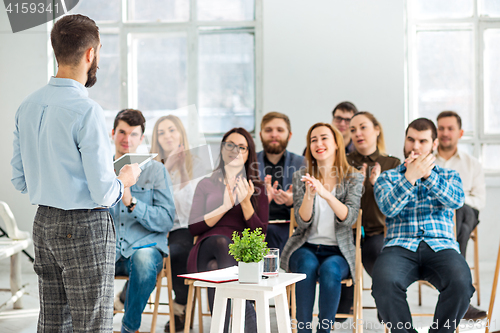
[345, 106]
[446, 114]
[71, 36]
[423, 124]
[131, 117]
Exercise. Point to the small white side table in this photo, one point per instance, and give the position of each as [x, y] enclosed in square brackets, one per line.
[260, 293]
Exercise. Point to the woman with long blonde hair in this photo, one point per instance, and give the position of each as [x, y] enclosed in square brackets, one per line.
[326, 198]
[370, 157]
[170, 141]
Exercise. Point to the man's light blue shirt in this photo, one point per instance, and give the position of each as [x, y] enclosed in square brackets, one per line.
[62, 154]
[153, 215]
[420, 212]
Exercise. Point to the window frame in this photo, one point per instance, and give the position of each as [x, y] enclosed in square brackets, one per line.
[477, 24]
[192, 28]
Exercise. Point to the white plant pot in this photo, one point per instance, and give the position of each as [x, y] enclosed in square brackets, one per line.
[250, 272]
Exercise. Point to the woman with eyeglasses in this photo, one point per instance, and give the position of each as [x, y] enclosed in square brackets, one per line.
[232, 199]
[326, 198]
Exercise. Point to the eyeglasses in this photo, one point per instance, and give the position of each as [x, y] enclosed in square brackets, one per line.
[231, 146]
[338, 119]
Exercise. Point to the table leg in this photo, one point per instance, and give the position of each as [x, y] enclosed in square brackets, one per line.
[262, 309]
[189, 308]
[282, 315]
[15, 278]
[219, 312]
[238, 315]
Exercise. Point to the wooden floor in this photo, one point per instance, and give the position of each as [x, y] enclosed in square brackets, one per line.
[24, 320]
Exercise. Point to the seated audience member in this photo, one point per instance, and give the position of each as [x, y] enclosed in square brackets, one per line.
[326, 199]
[232, 199]
[142, 220]
[449, 156]
[418, 199]
[369, 156]
[342, 114]
[171, 143]
[276, 168]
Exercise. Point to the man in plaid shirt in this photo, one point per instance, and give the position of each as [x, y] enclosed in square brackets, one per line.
[419, 199]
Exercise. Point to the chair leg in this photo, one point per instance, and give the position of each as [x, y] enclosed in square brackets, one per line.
[170, 298]
[355, 310]
[200, 309]
[360, 303]
[419, 293]
[189, 309]
[191, 325]
[294, 307]
[476, 265]
[157, 303]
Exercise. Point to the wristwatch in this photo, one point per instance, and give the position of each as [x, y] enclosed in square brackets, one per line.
[132, 204]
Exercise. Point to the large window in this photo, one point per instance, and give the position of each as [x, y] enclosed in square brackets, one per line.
[454, 64]
[197, 59]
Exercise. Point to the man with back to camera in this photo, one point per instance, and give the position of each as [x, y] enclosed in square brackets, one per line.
[62, 157]
[418, 199]
[471, 173]
[142, 220]
[276, 168]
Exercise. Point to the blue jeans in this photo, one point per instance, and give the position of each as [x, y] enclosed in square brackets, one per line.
[327, 265]
[142, 269]
[396, 268]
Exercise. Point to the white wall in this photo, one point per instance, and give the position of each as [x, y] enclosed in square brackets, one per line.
[23, 69]
[316, 54]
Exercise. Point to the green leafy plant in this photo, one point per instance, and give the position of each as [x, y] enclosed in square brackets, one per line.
[250, 247]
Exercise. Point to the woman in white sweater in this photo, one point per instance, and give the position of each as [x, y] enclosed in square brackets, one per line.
[171, 143]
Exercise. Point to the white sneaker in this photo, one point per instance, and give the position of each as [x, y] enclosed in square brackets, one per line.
[117, 304]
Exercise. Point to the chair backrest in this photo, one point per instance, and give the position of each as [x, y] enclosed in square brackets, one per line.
[293, 223]
[358, 263]
[10, 222]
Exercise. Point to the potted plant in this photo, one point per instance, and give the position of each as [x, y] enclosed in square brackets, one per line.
[249, 251]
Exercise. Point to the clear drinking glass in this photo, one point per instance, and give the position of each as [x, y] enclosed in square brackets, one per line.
[272, 263]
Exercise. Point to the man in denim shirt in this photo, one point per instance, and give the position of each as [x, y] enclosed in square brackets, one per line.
[418, 199]
[142, 219]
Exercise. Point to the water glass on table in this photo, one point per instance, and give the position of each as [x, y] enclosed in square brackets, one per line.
[272, 263]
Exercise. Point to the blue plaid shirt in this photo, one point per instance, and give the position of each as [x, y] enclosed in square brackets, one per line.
[420, 212]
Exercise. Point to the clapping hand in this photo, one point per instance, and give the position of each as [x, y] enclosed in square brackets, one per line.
[314, 186]
[244, 190]
[229, 198]
[375, 172]
[419, 166]
[176, 158]
[269, 187]
[283, 197]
